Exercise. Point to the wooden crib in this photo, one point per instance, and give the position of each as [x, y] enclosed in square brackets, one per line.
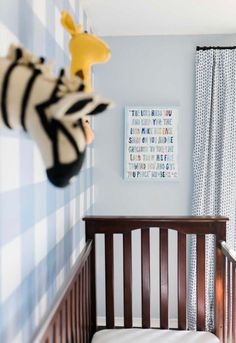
[74, 316]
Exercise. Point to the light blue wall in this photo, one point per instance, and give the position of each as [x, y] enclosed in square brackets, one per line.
[145, 71]
[41, 233]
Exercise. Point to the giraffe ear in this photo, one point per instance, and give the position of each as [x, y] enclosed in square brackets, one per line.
[68, 23]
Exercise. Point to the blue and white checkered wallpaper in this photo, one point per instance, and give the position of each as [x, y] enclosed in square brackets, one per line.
[41, 233]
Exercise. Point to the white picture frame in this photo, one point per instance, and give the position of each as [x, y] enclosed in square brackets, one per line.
[151, 143]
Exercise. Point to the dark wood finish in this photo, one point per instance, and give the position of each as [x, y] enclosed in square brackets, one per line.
[201, 283]
[68, 314]
[164, 219]
[225, 303]
[164, 292]
[80, 310]
[89, 298]
[87, 302]
[188, 225]
[145, 277]
[233, 305]
[127, 267]
[64, 323]
[90, 236]
[184, 225]
[77, 327]
[219, 281]
[64, 338]
[229, 294]
[109, 267]
[229, 278]
[73, 316]
[73, 313]
[83, 308]
[56, 329]
[181, 281]
[219, 311]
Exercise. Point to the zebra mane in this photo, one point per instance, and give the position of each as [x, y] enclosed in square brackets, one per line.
[25, 58]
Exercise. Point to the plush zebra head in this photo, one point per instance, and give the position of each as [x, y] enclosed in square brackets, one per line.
[54, 111]
[71, 133]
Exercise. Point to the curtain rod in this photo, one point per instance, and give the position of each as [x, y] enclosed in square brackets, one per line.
[215, 47]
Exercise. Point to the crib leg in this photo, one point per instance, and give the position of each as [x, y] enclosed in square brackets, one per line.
[92, 290]
[219, 289]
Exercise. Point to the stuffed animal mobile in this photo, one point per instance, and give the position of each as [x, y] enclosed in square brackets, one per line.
[53, 110]
[86, 50]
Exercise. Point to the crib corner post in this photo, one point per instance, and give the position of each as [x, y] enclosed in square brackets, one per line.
[219, 281]
[90, 235]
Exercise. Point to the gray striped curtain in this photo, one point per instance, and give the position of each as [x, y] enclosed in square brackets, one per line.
[214, 160]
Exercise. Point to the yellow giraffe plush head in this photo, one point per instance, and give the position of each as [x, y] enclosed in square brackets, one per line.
[86, 50]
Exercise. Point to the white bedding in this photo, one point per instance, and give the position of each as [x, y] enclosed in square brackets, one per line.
[153, 336]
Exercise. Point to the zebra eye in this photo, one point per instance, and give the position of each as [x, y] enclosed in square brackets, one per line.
[78, 123]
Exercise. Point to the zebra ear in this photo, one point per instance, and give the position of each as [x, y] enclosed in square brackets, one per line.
[78, 106]
[99, 108]
[14, 52]
[73, 106]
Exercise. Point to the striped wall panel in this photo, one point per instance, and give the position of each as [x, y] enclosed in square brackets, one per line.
[41, 232]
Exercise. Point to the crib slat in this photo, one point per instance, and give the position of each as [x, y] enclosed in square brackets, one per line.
[68, 322]
[52, 334]
[93, 287]
[233, 306]
[127, 267]
[73, 328]
[60, 326]
[93, 303]
[228, 300]
[87, 301]
[145, 272]
[200, 282]
[109, 281]
[181, 281]
[57, 329]
[63, 323]
[77, 309]
[225, 301]
[164, 322]
[71, 315]
[220, 291]
[80, 310]
[84, 305]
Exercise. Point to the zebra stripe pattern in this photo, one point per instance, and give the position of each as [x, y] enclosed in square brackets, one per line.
[52, 110]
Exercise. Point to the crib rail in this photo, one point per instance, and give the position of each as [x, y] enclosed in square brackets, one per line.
[229, 294]
[200, 226]
[69, 320]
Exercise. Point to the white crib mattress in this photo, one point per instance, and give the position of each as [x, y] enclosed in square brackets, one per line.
[153, 336]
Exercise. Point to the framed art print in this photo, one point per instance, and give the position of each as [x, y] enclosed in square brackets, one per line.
[151, 143]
